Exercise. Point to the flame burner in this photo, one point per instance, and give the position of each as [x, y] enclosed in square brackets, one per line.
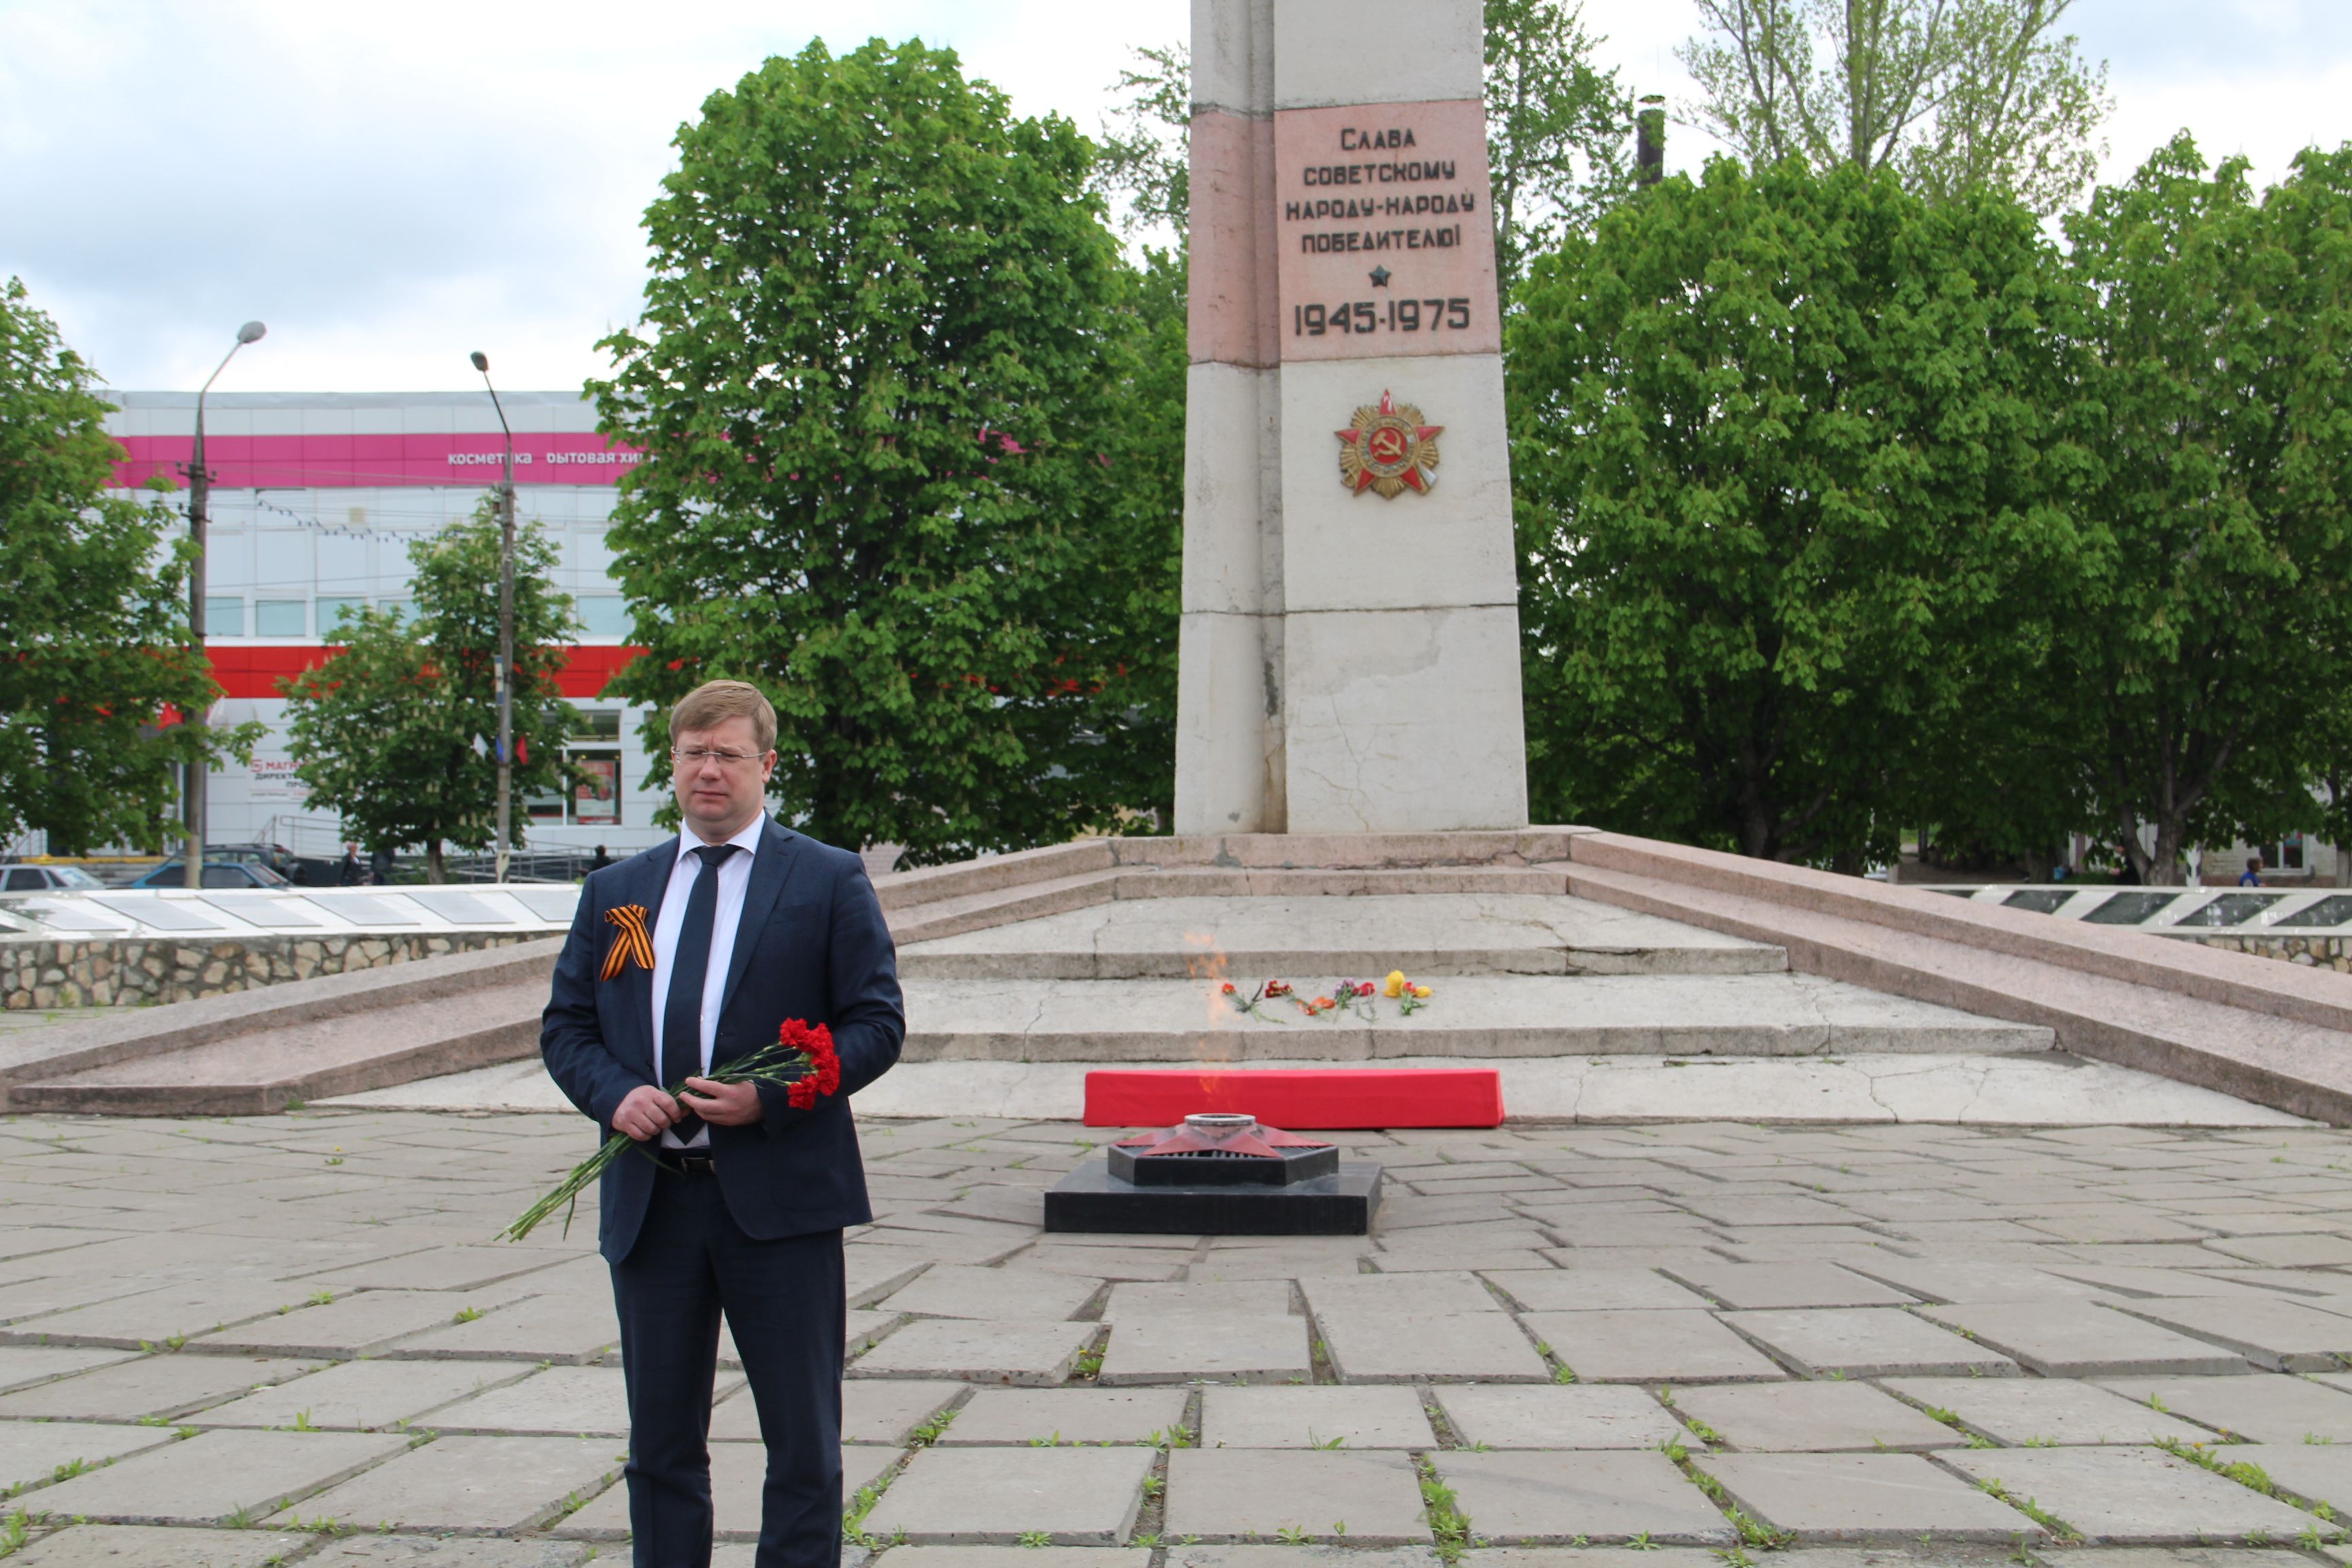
[1218, 1174]
[1217, 1149]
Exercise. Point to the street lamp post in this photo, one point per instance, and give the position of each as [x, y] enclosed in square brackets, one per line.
[505, 626]
[200, 484]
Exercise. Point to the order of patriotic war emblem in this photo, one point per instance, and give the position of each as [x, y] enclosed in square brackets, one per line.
[1388, 450]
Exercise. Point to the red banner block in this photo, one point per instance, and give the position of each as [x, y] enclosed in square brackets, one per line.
[1300, 1098]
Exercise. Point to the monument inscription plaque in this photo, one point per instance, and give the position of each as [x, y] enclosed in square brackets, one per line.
[1350, 658]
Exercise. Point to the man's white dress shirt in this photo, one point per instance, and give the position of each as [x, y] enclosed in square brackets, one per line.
[734, 881]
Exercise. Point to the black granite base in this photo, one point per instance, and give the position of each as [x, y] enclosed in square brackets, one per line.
[1091, 1199]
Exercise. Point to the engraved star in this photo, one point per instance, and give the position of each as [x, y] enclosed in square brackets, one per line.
[1379, 277]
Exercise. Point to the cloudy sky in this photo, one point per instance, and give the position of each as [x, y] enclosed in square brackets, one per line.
[392, 186]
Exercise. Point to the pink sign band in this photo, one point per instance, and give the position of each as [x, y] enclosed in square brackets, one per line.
[345, 462]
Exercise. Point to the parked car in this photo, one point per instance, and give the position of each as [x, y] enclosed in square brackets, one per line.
[219, 872]
[46, 880]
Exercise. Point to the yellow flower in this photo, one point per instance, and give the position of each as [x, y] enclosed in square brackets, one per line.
[1396, 983]
[1421, 990]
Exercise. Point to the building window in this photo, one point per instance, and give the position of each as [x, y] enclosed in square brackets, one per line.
[594, 749]
[224, 615]
[602, 616]
[404, 608]
[332, 610]
[2286, 855]
[597, 798]
[280, 617]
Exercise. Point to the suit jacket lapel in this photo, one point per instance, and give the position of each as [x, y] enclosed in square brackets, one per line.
[769, 870]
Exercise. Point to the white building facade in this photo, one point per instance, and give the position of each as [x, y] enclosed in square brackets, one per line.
[316, 497]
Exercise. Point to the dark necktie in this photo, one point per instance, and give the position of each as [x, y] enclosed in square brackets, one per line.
[690, 967]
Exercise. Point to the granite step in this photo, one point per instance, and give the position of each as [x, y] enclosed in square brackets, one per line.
[1177, 1022]
[2252, 1027]
[1315, 937]
[265, 1070]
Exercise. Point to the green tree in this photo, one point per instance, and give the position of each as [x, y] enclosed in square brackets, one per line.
[1144, 151]
[1950, 93]
[397, 733]
[93, 618]
[2209, 652]
[1792, 455]
[1556, 129]
[889, 364]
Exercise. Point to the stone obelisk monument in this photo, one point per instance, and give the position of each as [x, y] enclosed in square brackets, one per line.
[1350, 658]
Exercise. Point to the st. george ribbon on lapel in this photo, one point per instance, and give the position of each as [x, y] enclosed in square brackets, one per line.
[630, 943]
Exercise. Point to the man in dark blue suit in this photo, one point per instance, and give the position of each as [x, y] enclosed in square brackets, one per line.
[680, 958]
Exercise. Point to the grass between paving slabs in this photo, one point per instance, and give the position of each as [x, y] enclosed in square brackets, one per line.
[1449, 1527]
[2250, 1474]
[1753, 1532]
[853, 1515]
[2063, 1533]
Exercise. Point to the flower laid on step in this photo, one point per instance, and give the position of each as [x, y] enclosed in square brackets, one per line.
[1354, 996]
[802, 1061]
[1265, 993]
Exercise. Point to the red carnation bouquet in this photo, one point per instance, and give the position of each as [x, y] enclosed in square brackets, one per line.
[802, 1061]
[820, 1065]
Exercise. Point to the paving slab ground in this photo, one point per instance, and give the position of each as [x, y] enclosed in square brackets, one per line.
[1811, 1417]
[1072, 1497]
[136, 1546]
[1030, 1416]
[1867, 1342]
[2030, 1411]
[470, 1483]
[215, 1477]
[1650, 1347]
[2084, 1339]
[1031, 1354]
[1158, 1348]
[363, 1395]
[1637, 1254]
[1579, 1416]
[2261, 1409]
[1231, 1494]
[2141, 1496]
[1607, 1496]
[1354, 1418]
[1863, 1497]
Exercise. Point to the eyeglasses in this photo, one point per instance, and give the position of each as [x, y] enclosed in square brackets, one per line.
[695, 756]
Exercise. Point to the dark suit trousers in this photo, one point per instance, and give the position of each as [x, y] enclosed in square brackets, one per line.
[783, 1301]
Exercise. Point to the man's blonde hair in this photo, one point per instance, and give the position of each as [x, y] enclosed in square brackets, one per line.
[714, 703]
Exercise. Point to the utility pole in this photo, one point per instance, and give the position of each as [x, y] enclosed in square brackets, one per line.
[506, 627]
[200, 484]
[1650, 140]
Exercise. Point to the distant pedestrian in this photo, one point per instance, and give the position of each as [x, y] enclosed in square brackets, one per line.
[600, 862]
[380, 867]
[2253, 876]
[351, 873]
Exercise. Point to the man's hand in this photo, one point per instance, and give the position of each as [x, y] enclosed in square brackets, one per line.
[647, 1113]
[724, 1104]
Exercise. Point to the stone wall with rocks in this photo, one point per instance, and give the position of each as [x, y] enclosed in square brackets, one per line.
[2311, 951]
[110, 973]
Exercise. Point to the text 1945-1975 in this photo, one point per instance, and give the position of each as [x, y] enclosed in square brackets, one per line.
[1380, 315]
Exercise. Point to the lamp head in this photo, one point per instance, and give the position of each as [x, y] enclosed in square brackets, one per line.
[481, 360]
[251, 332]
